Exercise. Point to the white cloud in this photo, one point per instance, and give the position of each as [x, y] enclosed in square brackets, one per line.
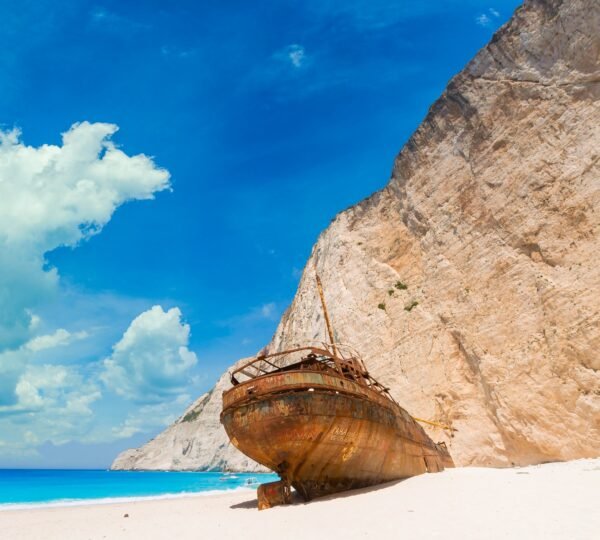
[53, 196]
[293, 56]
[40, 403]
[60, 338]
[148, 417]
[53, 404]
[268, 310]
[26, 387]
[296, 55]
[12, 365]
[16, 387]
[150, 366]
[151, 362]
[50, 386]
[59, 397]
[483, 20]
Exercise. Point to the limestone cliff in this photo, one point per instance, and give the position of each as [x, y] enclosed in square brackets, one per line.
[195, 441]
[471, 283]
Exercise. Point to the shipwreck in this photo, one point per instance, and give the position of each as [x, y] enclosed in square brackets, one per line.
[315, 416]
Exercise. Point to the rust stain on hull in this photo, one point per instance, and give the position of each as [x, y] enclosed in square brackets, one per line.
[324, 425]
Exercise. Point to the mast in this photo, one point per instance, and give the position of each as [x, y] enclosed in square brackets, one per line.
[327, 321]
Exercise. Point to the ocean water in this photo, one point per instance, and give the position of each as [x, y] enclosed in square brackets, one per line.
[34, 487]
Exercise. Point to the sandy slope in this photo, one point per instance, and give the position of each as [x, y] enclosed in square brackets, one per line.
[557, 500]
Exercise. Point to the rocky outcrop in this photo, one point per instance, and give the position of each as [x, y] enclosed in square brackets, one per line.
[196, 441]
[471, 282]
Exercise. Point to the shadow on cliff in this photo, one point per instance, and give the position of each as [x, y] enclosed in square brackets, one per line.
[297, 500]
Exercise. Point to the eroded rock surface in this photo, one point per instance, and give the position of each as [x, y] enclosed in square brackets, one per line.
[471, 283]
[196, 441]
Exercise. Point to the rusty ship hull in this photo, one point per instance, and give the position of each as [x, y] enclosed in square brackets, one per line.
[324, 433]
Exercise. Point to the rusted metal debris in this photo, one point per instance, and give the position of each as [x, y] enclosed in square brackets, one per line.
[273, 494]
[316, 417]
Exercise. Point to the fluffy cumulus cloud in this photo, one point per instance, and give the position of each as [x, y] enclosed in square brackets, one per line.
[59, 195]
[18, 382]
[42, 402]
[150, 366]
[53, 196]
[54, 387]
[151, 363]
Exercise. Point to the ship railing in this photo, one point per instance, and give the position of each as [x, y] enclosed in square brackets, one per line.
[264, 364]
[342, 358]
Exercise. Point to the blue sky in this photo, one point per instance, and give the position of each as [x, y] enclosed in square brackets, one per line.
[128, 284]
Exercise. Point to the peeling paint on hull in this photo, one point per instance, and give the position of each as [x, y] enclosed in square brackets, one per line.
[324, 434]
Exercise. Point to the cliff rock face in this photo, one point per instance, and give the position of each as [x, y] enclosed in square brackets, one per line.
[196, 441]
[471, 283]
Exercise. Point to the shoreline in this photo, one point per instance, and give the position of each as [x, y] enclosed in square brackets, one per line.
[70, 503]
[553, 501]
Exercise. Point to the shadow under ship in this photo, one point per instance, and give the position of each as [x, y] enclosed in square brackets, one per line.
[315, 416]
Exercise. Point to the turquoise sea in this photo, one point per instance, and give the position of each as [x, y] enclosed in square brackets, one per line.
[34, 487]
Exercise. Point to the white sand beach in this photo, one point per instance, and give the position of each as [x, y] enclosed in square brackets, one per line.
[552, 501]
